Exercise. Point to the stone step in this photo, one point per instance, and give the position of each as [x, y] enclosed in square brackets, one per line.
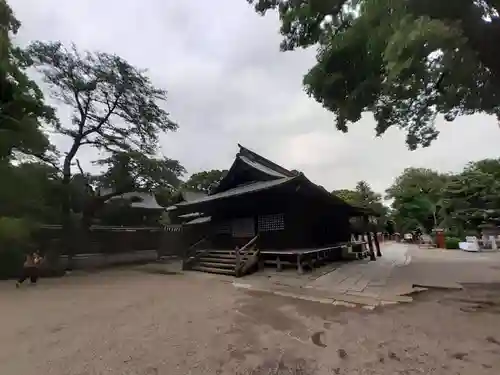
[216, 265]
[218, 260]
[213, 251]
[216, 255]
[215, 270]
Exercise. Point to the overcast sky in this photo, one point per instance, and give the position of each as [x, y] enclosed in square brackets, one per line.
[228, 83]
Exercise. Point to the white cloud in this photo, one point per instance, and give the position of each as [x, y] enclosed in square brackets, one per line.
[228, 83]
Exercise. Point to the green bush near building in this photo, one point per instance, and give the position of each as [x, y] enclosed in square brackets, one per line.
[452, 242]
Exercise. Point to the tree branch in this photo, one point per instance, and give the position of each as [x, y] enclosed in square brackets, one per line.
[102, 121]
[80, 167]
[76, 94]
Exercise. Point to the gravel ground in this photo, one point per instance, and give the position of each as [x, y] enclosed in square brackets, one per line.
[136, 322]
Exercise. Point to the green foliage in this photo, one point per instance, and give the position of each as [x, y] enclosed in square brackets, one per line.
[11, 262]
[134, 171]
[472, 197]
[404, 61]
[15, 237]
[417, 195]
[30, 190]
[15, 230]
[204, 181]
[459, 203]
[22, 107]
[369, 199]
[115, 108]
[349, 196]
[126, 172]
[452, 242]
[364, 197]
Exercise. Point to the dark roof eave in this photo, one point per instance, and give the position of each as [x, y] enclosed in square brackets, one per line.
[237, 192]
[353, 210]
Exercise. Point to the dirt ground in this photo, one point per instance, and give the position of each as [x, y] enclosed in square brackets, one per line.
[137, 322]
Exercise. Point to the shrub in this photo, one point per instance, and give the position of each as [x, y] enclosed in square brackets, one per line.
[11, 262]
[452, 242]
[15, 241]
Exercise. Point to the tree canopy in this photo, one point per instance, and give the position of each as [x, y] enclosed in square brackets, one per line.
[363, 196]
[30, 190]
[404, 61]
[461, 202]
[115, 106]
[22, 106]
[472, 198]
[417, 199]
[349, 196]
[133, 171]
[204, 181]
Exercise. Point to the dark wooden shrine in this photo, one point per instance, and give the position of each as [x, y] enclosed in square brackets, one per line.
[280, 210]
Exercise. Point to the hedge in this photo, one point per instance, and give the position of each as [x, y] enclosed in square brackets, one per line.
[15, 235]
[452, 242]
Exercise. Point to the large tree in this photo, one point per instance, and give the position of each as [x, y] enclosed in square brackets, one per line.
[115, 107]
[349, 196]
[204, 181]
[363, 196]
[404, 61]
[133, 171]
[370, 199]
[22, 107]
[472, 197]
[417, 199]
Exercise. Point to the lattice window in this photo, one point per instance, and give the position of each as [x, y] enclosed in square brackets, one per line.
[243, 228]
[269, 223]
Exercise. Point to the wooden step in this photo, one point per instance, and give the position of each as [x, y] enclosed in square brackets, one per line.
[216, 265]
[221, 256]
[218, 260]
[214, 270]
[227, 252]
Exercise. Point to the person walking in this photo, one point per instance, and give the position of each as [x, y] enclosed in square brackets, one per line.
[30, 268]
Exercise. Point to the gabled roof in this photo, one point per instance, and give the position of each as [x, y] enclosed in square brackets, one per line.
[249, 166]
[261, 162]
[251, 173]
[185, 196]
[189, 195]
[144, 200]
[240, 190]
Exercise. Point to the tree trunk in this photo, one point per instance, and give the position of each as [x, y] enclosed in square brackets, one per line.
[435, 218]
[66, 220]
[67, 230]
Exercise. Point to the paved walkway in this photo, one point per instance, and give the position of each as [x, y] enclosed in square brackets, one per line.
[402, 270]
[360, 276]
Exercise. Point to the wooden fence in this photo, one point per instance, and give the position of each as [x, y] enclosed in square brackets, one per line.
[115, 240]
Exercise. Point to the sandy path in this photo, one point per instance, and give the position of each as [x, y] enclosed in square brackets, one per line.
[129, 322]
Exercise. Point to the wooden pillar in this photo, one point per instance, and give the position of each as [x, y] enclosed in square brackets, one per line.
[369, 238]
[299, 265]
[261, 263]
[237, 255]
[370, 246]
[377, 244]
